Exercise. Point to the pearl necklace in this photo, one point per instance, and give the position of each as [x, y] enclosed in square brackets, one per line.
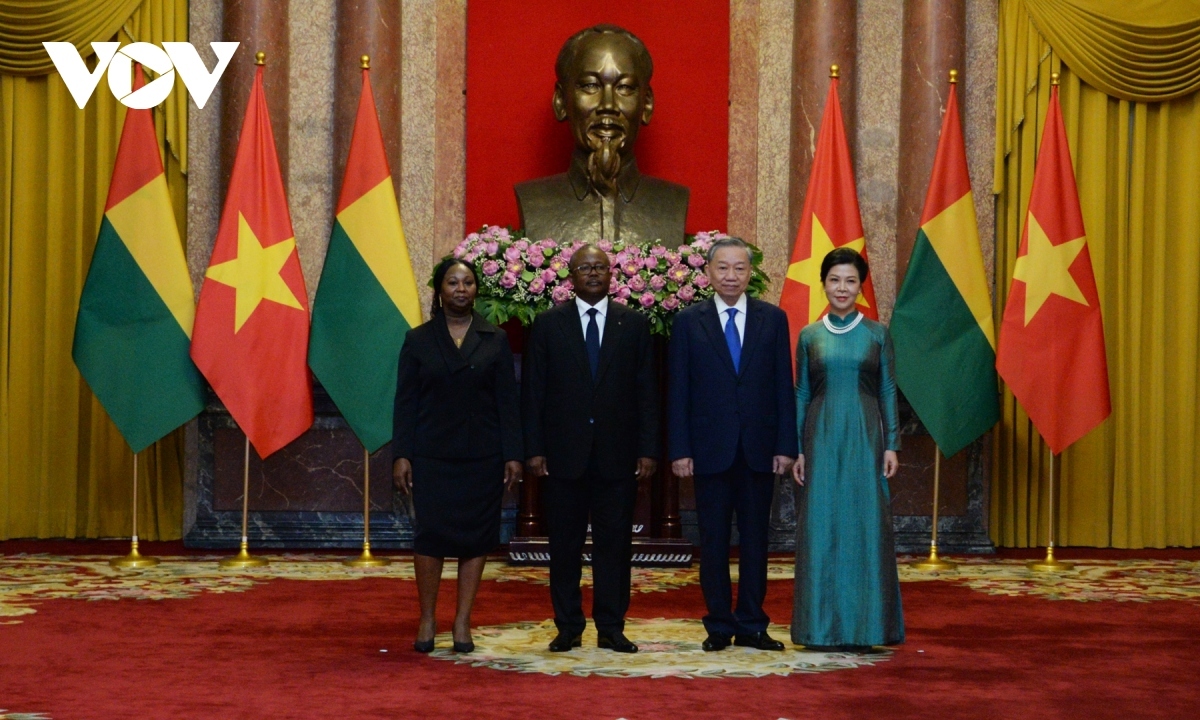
[841, 330]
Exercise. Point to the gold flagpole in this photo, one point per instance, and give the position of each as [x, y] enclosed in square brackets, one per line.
[366, 559]
[244, 559]
[1049, 564]
[933, 563]
[134, 560]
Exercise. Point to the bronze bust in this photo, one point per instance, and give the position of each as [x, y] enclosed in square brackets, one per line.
[603, 91]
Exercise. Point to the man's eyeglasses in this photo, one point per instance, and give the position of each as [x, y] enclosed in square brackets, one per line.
[598, 268]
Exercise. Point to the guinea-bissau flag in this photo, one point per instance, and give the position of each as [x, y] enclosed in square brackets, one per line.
[136, 310]
[251, 338]
[830, 219]
[367, 299]
[942, 327]
[1052, 335]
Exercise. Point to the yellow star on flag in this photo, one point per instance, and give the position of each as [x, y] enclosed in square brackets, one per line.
[1045, 269]
[254, 274]
[808, 271]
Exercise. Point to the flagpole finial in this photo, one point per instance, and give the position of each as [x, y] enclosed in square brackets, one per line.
[953, 77]
[833, 71]
[1054, 79]
[364, 62]
[260, 58]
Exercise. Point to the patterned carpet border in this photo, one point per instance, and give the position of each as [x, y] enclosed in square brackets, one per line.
[26, 580]
[674, 651]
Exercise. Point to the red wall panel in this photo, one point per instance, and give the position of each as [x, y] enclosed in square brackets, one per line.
[511, 132]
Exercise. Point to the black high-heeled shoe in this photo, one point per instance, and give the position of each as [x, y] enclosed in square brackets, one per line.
[424, 646]
[464, 647]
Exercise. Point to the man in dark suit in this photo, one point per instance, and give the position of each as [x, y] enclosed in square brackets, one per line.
[732, 426]
[590, 411]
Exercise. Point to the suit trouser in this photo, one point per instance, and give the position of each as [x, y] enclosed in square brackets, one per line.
[610, 506]
[718, 495]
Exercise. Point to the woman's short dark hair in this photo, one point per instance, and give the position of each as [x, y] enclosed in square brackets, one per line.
[845, 256]
[439, 276]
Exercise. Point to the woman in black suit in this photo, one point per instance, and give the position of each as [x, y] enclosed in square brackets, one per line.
[457, 443]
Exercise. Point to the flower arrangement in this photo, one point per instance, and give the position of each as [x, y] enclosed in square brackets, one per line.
[518, 278]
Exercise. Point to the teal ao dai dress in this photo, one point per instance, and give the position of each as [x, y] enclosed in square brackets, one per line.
[847, 587]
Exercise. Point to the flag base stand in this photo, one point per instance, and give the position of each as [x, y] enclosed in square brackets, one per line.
[244, 559]
[366, 560]
[134, 560]
[933, 563]
[1049, 564]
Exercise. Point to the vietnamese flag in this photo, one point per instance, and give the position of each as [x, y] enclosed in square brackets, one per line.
[1051, 350]
[251, 334]
[830, 219]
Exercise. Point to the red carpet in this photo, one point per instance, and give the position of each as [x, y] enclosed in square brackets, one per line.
[306, 649]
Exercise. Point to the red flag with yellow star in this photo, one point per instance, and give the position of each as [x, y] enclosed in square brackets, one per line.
[1051, 348]
[830, 219]
[251, 333]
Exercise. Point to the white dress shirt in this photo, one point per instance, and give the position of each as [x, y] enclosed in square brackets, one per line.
[739, 320]
[601, 311]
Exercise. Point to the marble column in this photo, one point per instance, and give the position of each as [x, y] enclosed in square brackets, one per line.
[826, 33]
[934, 43]
[259, 25]
[367, 27]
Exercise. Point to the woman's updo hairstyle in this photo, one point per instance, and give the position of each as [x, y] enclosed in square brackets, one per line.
[439, 276]
[845, 256]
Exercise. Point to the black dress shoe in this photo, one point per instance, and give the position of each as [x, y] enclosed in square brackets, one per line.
[464, 647]
[423, 646]
[758, 641]
[565, 641]
[617, 642]
[715, 642]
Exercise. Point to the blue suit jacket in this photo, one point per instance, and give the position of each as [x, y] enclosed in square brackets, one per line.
[711, 407]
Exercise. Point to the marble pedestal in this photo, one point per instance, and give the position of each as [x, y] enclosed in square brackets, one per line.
[307, 495]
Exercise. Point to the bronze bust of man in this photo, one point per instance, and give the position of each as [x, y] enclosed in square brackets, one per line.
[603, 91]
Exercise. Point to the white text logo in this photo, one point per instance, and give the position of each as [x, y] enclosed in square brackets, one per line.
[119, 62]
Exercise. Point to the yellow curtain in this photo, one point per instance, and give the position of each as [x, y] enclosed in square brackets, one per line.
[29, 23]
[1139, 50]
[1133, 481]
[65, 471]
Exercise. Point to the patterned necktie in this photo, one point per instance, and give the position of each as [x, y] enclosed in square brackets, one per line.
[592, 339]
[732, 340]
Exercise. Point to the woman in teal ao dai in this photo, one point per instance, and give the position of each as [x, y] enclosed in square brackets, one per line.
[847, 593]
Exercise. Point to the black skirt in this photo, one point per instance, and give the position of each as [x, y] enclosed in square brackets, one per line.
[456, 504]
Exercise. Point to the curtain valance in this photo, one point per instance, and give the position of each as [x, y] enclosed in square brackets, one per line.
[29, 23]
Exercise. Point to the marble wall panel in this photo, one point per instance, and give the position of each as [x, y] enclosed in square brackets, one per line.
[880, 34]
[979, 119]
[310, 188]
[419, 133]
[743, 120]
[776, 20]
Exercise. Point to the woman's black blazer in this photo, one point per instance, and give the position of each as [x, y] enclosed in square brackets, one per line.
[457, 403]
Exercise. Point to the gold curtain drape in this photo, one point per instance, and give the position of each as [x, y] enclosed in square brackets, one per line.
[29, 23]
[1138, 50]
[64, 469]
[1133, 481]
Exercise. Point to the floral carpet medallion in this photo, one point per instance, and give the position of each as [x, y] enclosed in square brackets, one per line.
[666, 648]
[26, 580]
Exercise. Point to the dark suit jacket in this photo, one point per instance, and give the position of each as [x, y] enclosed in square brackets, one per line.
[457, 403]
[710, 407]
[567, 416]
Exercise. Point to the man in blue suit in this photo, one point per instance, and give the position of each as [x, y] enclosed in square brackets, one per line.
[732, 426]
